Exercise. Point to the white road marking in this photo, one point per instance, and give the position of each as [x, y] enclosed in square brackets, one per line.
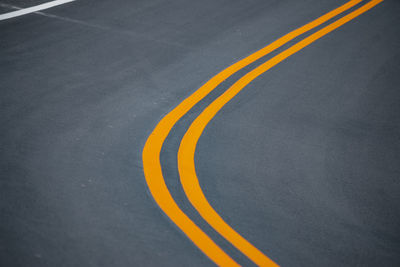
[33, 9]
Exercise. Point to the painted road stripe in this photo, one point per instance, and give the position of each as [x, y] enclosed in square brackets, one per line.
[188, 144]
[33, 9]
[151, 151]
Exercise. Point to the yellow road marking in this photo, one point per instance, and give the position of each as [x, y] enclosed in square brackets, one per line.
[151, 151]
[188, 144]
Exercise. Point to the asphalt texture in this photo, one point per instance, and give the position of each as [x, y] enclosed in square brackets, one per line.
[304, 162]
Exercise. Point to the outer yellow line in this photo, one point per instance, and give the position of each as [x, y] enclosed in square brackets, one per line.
[151, 152]
[187, 148]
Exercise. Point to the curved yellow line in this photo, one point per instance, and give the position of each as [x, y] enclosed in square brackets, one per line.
[151, 151]
[188, 144]
[164, 199]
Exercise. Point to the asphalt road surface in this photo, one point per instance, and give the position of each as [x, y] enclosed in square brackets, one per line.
[303, 162]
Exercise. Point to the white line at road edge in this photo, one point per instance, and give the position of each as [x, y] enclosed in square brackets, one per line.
[33, 9]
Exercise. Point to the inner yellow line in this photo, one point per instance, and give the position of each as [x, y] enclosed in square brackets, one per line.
[151, 151]
[188, 144]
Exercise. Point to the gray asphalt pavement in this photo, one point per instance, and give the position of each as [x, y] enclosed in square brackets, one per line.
[304, 162]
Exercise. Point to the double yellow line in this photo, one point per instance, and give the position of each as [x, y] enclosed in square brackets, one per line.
[186, 166]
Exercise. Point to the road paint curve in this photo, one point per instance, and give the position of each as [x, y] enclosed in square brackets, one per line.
[151, 151]
[186, 153]
[33, 9]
